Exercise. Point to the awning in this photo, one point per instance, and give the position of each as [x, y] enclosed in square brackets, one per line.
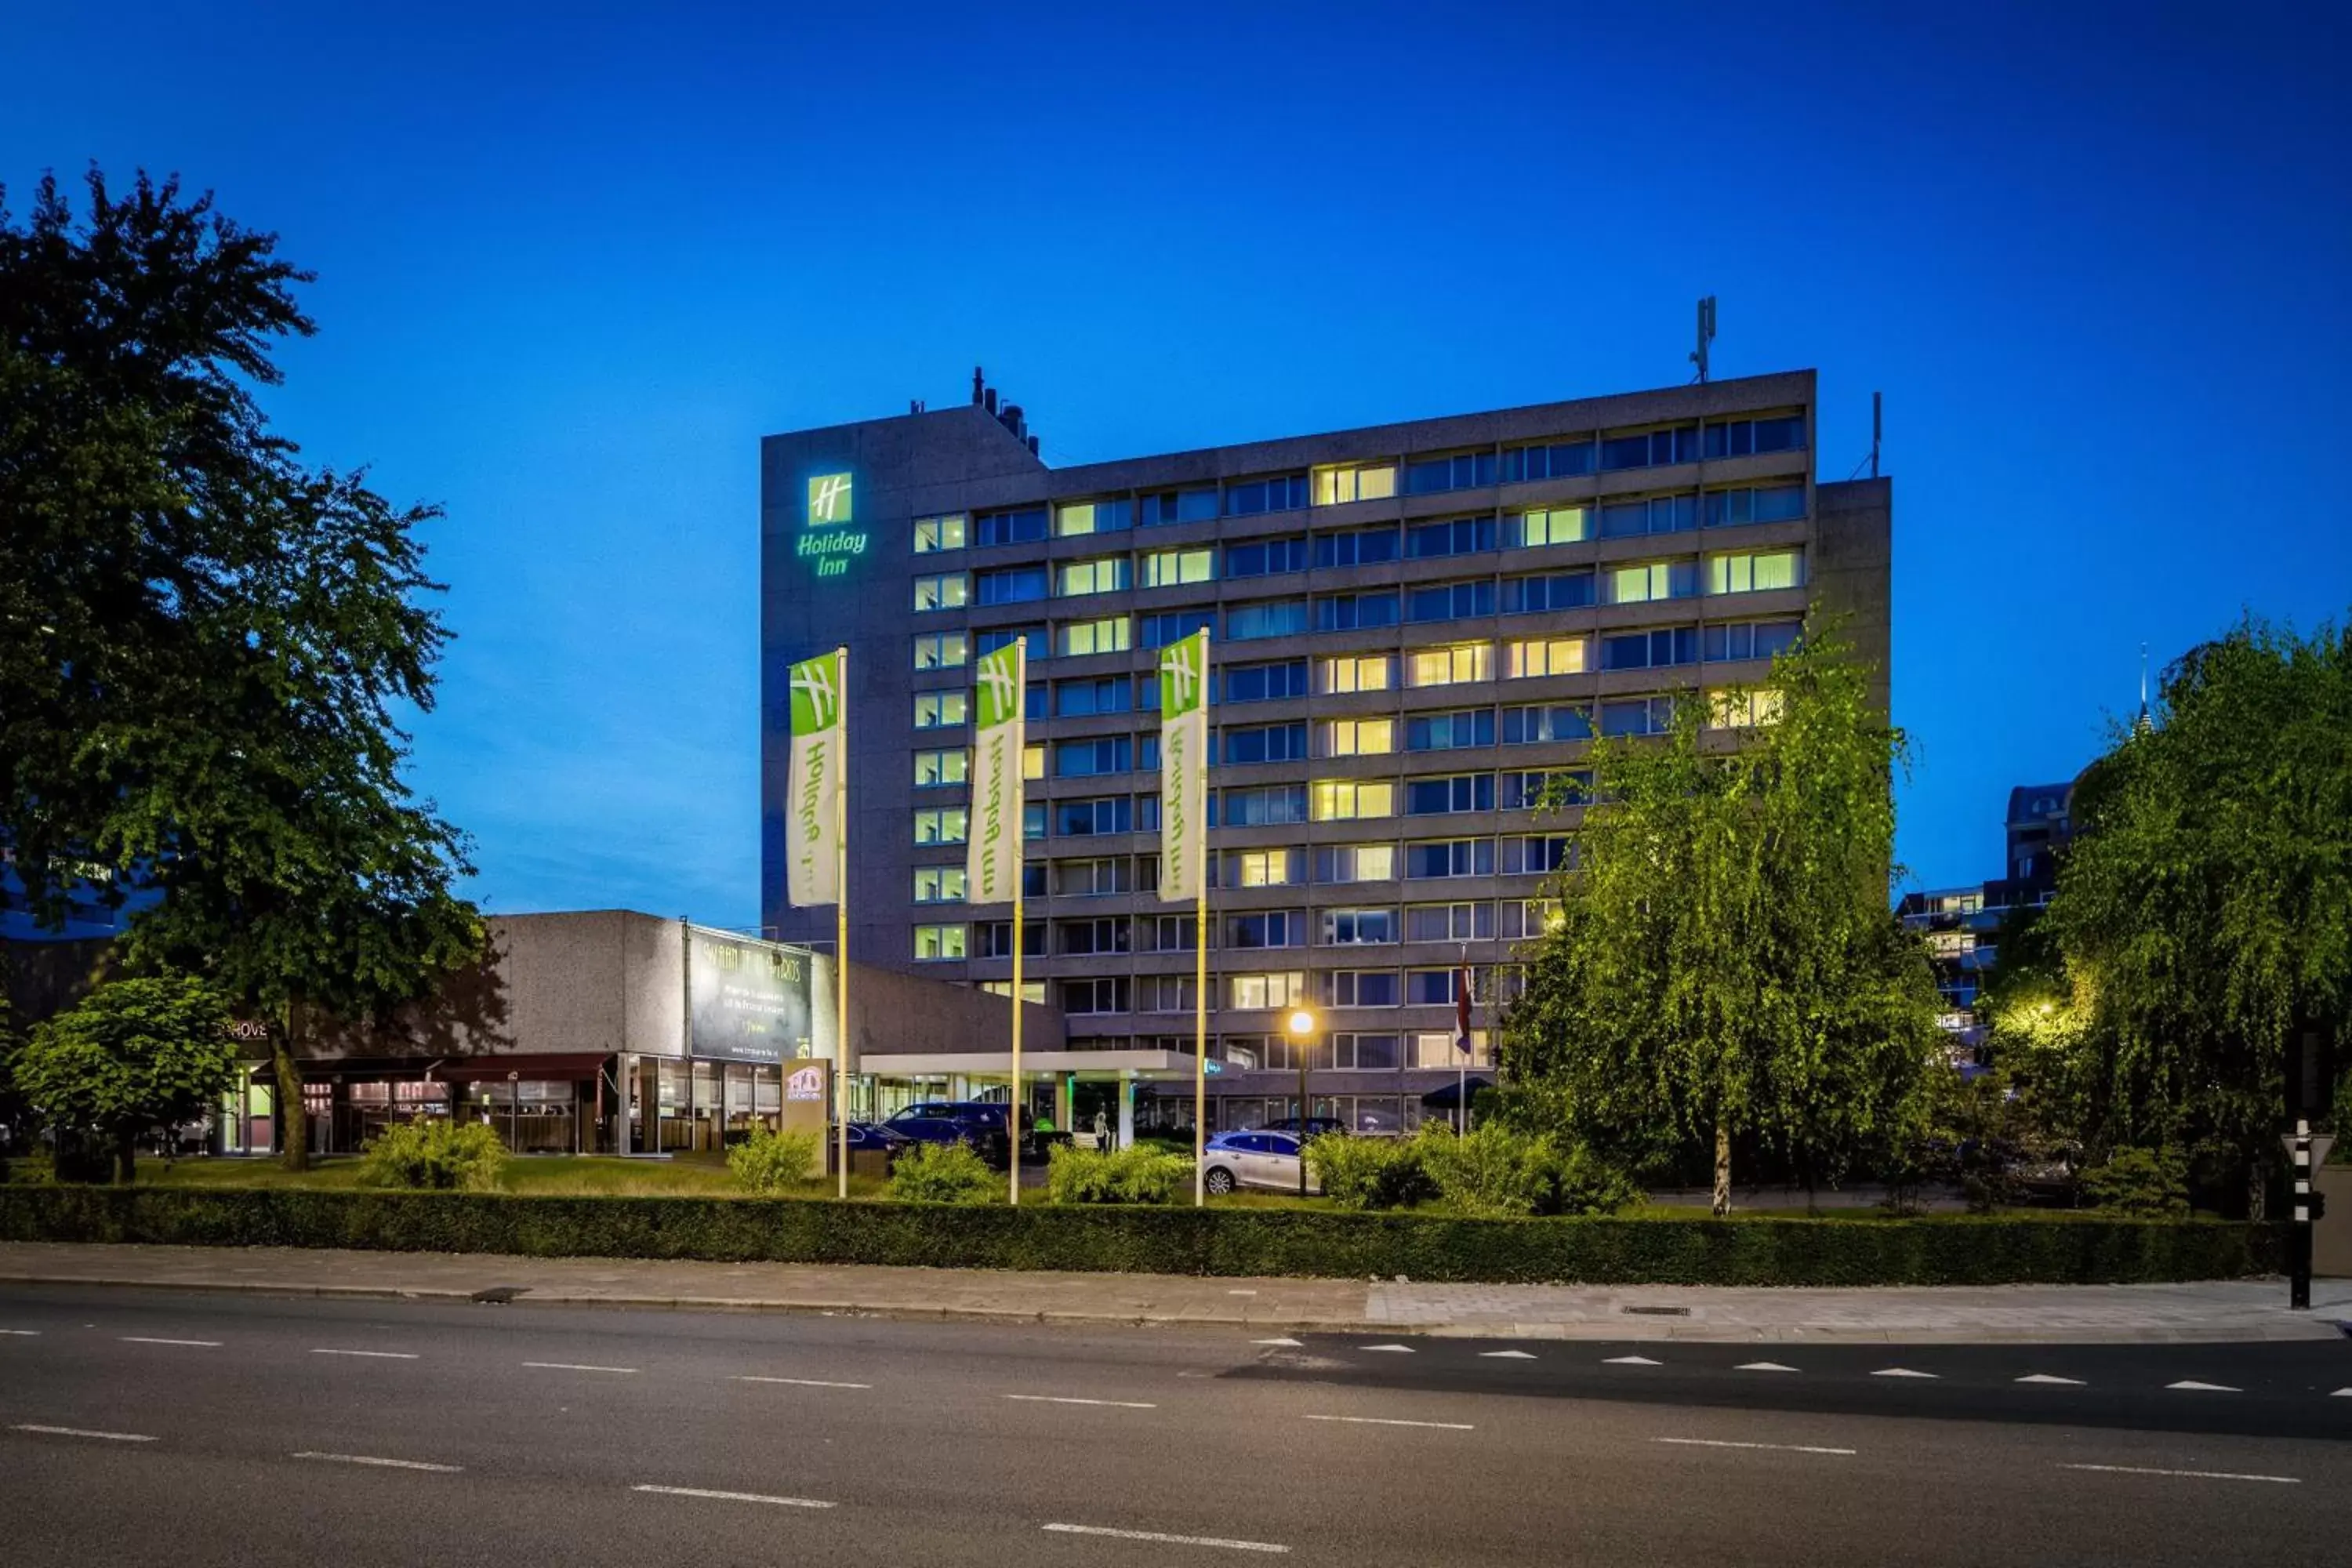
[1445, 1098]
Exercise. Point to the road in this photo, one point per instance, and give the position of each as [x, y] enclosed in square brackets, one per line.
[194, 1429]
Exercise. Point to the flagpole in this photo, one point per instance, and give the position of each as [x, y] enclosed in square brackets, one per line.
[1020, 831]
[841, 929]
[1462, 1084]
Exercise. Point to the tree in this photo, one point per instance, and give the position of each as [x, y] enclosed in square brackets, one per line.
[2204, 911]
[206, 642]
[132, 1056]
[1724, 965]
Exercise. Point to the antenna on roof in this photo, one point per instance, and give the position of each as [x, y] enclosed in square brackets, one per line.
[1877, 428]
[2143, 724]
[1705, 334]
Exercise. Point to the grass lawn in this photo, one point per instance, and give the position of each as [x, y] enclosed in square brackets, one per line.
[548, 1175]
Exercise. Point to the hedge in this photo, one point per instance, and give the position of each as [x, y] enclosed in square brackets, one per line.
[1957, 1250]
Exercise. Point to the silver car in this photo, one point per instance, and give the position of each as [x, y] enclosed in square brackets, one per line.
[1267, 1160]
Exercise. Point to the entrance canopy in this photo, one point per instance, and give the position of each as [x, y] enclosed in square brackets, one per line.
[998, 1064]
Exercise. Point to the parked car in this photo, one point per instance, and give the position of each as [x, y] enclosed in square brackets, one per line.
[1254, 1159]
[874, 1135]
[1316, 1126]
[980, 1124]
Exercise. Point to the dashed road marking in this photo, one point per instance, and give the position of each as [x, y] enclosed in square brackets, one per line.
[2191, 1386]
[1229, 1545]
[81, 1432]
[575, 1366]
[732, 1496]
[372, 1355]
[1505, 1355]
[22, 1333]
[2191, 1474]
[1630, 1361]
[1900, 1372]
[2045, 1377]
[1068, 1399]
[2341, 1393]
[1725, 1443]
[1393, 1421]
[377, 1462]
[1293, 1344]
[1395, 1349]
[1763, 1366]
[198, 1344]
[803, 1381]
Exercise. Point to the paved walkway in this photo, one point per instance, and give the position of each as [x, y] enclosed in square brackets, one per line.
[2231, 1310]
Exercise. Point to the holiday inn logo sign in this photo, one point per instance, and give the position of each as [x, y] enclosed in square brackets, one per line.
[829, 538]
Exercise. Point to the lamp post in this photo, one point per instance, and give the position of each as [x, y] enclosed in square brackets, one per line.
[1302, 1037]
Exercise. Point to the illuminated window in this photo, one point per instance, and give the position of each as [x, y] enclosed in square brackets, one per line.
[942, 650]
[935, 533]
[938, 884]
[934, 943]
[1755, 573]
[942, 824]
[1033, 760]
[1260, 868]
[933, 769]
[1103, 575]
[1543, 655]
[1358, 737]
[949, 591]
[1548, 525]
[1031, 990]
[1092, 517]
[1258, 992]
[1743, 709]
[1656, 580]
[941, 710]
[1355, 481]
[1450, 665]
[1354, 800]
[1355, 863]
[1111, 634]
[1358, 672]
[1168, 568]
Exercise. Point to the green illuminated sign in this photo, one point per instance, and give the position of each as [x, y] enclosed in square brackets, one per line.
[829, 497]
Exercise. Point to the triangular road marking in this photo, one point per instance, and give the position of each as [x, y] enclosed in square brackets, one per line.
[1505, 1355]
[2045, 1377]
[1629, 1360]
[2195, 1387]
[1900, 1372]
[1763, 1366]
[1400, 1350]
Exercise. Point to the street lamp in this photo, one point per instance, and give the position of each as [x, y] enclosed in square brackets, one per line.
[1302, 1036]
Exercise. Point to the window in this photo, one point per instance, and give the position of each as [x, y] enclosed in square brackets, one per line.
[1450, 601]
[1073, 518]
[1765, 504]
[1005, 636]
[1265, 744]
[1437, 797]
[1265, 619]
[1358, 737]
[1355, 481]
[1086, 698]
[1650, 650]
[1358, 928]
[1755, 573]
[1353, 612]
[1528, 791]
[1430, 987]
[1558, 591]
[1170, 625]
[1026, 525]
[1739, 437]
[1169, 568]
[1266, 557]
[1543, 655]
[993, 939]
[1166, 994]
[942, 824]
[1550, 525]
[942, 650]
[1033, 819]
[1353, 1052]
[1356, 547]
[1011, 586]
[1450, 732]
[1638, 716]
[1546, 721]
[1436, 858]
[1559, 461]
[941, 710]
[1085, 938]
[1428, 476]
[1358, 672]
[1748, 639]
[933, 769]
[1657, 580]
[1354, 800]
[1743, 709]
[1449, 922]
[948, 591]
[934, 943]
[1258, 992]
[1033, 761]
[936, 534]
[1102, 814]
[1361, 988]
[1523, 918]
[1266, 682]
[1461, 536]
[1180, 506]
[1093, 755]
[938, 884]
[1355, 863]
[1077, 639]
[1450, 665]
[1438, 1049]
[1256, 496]
[1164, 933]
[1103, 575]
[1265, 805]
[1528, 854]
[1092, 879]
[1266, 927]
[1104, 993]
[1260, 868]
[1650, 450]
[1658, 514]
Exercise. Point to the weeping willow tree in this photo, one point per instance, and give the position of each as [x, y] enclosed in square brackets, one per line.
[1724, 967]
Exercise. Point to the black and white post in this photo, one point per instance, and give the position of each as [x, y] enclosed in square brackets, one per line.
[2299, 1239]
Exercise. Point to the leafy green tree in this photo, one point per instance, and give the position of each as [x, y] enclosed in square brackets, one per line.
[203, 642]
[1724, 965]
[132, 1056]
[2204, 910]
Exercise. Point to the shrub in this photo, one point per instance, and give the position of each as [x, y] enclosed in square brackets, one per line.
[433, 1153]
[2148, 1183]
[1496, 1170]
[773, 1162]
[943, 1174]
[1137, 1175]
[1370, 1172]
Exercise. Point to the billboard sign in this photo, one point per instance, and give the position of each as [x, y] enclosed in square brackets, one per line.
[750, 1001]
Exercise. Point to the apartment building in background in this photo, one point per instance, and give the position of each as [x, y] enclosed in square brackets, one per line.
[1416, 628]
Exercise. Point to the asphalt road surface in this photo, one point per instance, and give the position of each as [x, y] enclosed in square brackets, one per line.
[191, 1429]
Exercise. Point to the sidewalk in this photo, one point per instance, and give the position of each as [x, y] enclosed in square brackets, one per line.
[2222, 1311]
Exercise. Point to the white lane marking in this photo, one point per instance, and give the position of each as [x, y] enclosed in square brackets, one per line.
[1505, 1355]
[2341, 1393]
[1630, 1361]
[1725, 1443]
[1165, 1540]
[2191, 1474]
[1294, 1344]
[22, 1333]
[2045, 1377]
[373, 1355]
[2193, 1386]
[1066, 1399]
[1900, 1372]
[1763, 1366]
[380, 1463]
[1390, 1421]
[1398, 1349]
[82, 1432]
[732, 1496]
[200, 1345]
[803, 1381]
[1241, 1292]
[575, 1366]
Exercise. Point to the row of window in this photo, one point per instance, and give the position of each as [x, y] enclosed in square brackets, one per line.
[1339, 484]
[1468, 921]
[1333, 865]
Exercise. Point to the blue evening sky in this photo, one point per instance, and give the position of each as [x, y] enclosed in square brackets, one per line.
[574, 261]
